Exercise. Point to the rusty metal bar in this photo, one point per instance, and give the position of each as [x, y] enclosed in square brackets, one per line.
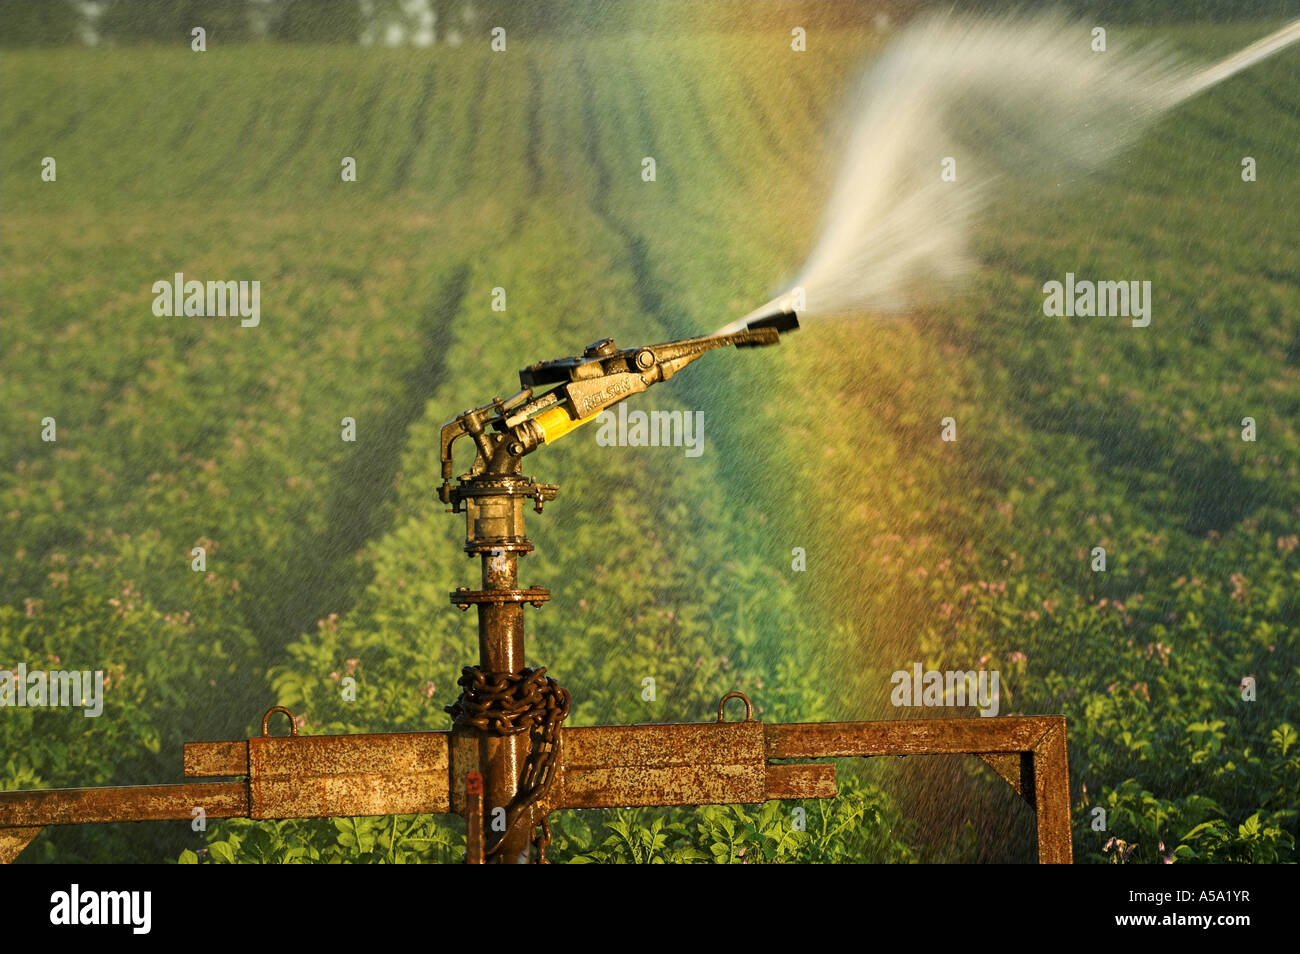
[672, 764]
[801, 781]
[474, 846]
[77, 806]
[216, 759]
[912, 737]
[1052, 795]
[390, 773]
[665, 744]
[348, 775]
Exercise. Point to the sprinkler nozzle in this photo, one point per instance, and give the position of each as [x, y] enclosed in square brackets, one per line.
[779, 313]
[781, 321]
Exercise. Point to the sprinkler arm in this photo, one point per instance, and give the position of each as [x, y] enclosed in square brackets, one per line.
[504, 431]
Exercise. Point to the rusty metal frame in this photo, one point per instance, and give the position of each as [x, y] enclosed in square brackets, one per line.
[1028, 752]
[604, 766]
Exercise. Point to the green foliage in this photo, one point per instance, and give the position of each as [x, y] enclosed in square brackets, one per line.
[861, 825]
[393, 840]
[1190, 829]
[168, 672]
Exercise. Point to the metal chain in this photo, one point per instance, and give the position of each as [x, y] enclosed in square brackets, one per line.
[505, 703]
[542, 840]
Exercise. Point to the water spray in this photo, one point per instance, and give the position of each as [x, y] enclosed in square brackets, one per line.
[1261, 49]
[1009, 101]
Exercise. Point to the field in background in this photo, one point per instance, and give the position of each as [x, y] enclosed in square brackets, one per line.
[523, 171]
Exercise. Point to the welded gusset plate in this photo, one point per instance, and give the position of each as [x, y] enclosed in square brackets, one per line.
[1015, 768]
[13, 841]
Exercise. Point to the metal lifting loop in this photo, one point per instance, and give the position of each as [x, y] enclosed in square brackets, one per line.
[736, 694]
[266, 720]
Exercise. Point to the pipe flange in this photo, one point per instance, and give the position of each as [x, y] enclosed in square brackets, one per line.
[512, 545]
[464, 597]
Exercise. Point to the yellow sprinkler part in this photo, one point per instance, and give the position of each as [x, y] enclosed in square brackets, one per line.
[557, 421]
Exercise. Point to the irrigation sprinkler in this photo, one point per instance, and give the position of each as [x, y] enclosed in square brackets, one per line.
[508, 761]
